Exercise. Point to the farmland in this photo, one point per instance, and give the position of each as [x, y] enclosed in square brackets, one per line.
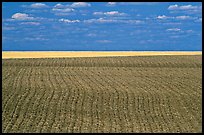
[63, 54]
[102, 94]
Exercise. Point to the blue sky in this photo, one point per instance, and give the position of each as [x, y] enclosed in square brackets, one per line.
[99, 26]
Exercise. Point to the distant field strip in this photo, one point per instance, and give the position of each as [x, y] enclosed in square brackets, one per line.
[39, 54]
[110, 94]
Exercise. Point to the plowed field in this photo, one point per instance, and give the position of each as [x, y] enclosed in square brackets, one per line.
[111, 94]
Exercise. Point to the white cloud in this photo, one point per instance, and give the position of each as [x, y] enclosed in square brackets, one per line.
[35, 10]
[21, 16]
[80, 4]
[59, 6]
[61, 14]
[8, 28]
[35, 38]
[183, 17]
[38, 5]
[189, 31]
[111, 4]
[103, 41]
[110, 13]
[138, 3]
[198, 20]
[187, 7]
[69, 21]
[114, 13]
[63, 9]
[30, 23]
[175, 36]
[100, 20]
[184, 7]
[162, 17]
[98, 13]
[131, 3]
[174, 29]
[134, 21]
[91, 35]
[172, 7]
[105, 20]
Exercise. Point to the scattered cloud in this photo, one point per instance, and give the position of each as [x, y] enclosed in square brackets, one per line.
[98, 13]
[183, 17]
[162, 17]
[62, 14]
[100, 20]
[8, 28]
[138, 3]
[172, 7]
[30, 23]
[26, 17]
[59, 6]
[137, 32]
[111, 4]
[133, 21]
[172, 23]
[36, 11]
[185, 7]
[189, 31]
[73, 5]
[174, 36]
[110, 13]
[80, 4]
[198, 20]
[21, 16]
[91, 35]
[35, 39]
[173, 29]
[107, 20]
[36, 6]
[63, 9]
[131, 3]
[39, 5]
[103, 41]
[69, 21]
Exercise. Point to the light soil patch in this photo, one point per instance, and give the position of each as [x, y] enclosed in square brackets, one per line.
[58, 54]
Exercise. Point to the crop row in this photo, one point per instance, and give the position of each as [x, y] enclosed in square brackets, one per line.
[102, 98]
[130, 61]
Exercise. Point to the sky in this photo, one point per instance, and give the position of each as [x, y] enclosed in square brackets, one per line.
[102, 26]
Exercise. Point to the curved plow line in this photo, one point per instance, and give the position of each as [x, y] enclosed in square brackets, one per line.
[54, 127]
[169, 94]
[45, 123]
[126, 105]
[23, 111]
[15, 84]
[31, 101]
[95, 81]
[37, 107]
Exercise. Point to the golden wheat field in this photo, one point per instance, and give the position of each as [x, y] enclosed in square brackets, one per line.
[54, 54]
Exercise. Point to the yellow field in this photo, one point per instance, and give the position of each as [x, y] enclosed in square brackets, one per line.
[55, 54]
